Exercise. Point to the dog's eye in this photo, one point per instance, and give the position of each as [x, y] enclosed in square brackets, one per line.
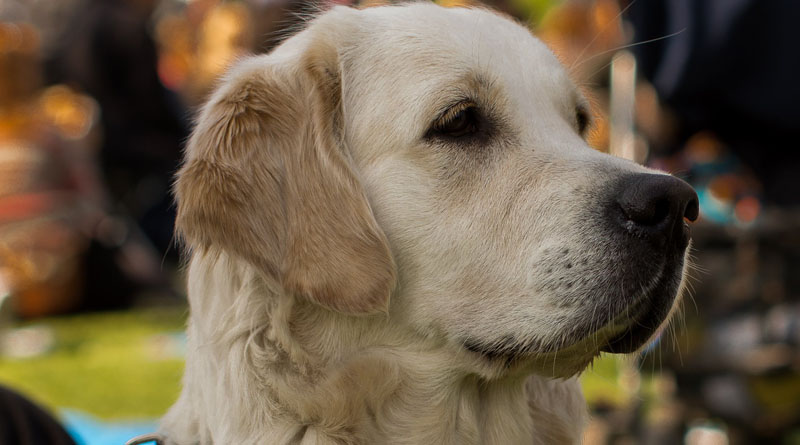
[582, 119]
[459, 121]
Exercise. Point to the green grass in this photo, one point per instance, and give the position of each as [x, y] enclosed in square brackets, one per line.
[112, 365]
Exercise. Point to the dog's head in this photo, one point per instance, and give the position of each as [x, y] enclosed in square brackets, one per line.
[430, 164]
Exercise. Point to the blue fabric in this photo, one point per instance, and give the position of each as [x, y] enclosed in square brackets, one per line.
[89, 430]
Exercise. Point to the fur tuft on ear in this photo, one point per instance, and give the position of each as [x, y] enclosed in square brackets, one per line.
[267, 177]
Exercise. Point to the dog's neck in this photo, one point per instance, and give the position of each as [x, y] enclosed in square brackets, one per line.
[276, 378]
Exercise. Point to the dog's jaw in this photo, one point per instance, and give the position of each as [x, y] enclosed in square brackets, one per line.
[261, 382]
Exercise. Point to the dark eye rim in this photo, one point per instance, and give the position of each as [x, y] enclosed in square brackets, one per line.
[459, 121]
[582, 118]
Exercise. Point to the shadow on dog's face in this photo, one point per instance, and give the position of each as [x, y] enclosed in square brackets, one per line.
[513, 239]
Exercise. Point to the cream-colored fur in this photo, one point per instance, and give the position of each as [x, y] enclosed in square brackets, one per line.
[342, 255]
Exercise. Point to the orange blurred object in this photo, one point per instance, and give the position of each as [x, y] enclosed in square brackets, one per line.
[747, 209]
[584, 35]
[197, 45]
[580, 32]
[72, 114]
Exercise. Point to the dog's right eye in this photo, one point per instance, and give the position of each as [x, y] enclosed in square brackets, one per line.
[459, 121]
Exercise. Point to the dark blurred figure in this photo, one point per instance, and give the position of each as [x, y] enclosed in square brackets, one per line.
[732, 70]
[23, 423]
[108, 52]
[729, 78]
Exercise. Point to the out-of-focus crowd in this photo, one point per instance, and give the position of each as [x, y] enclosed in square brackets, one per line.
[96, 99]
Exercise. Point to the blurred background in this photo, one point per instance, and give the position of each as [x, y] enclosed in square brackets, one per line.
[96, 99]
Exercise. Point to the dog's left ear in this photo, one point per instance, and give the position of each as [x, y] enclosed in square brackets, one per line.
[268, 178]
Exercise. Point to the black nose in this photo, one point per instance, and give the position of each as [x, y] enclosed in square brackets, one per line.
[655, 206]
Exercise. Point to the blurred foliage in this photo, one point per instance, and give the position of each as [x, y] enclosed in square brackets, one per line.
[106, 364]
[600, 381]
[535, 10]
[779, 394]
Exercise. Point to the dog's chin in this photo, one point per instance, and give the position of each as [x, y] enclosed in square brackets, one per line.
[508, 356]
[494, 364]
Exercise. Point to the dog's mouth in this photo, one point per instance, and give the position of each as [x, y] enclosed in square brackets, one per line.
[623, 333]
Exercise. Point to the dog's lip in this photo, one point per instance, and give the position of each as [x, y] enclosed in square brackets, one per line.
[636, 332]
[642, 319]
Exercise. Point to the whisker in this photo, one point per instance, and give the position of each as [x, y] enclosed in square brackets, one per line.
[630, 45]
[599, 33]
[594, 73]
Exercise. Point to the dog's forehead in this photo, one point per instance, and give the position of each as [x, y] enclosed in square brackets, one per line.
[447, 40]
[403, 64]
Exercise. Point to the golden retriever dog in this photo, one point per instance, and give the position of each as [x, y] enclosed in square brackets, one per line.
[399, 235]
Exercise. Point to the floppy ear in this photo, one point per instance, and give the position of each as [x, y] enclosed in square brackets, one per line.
[267, 177]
